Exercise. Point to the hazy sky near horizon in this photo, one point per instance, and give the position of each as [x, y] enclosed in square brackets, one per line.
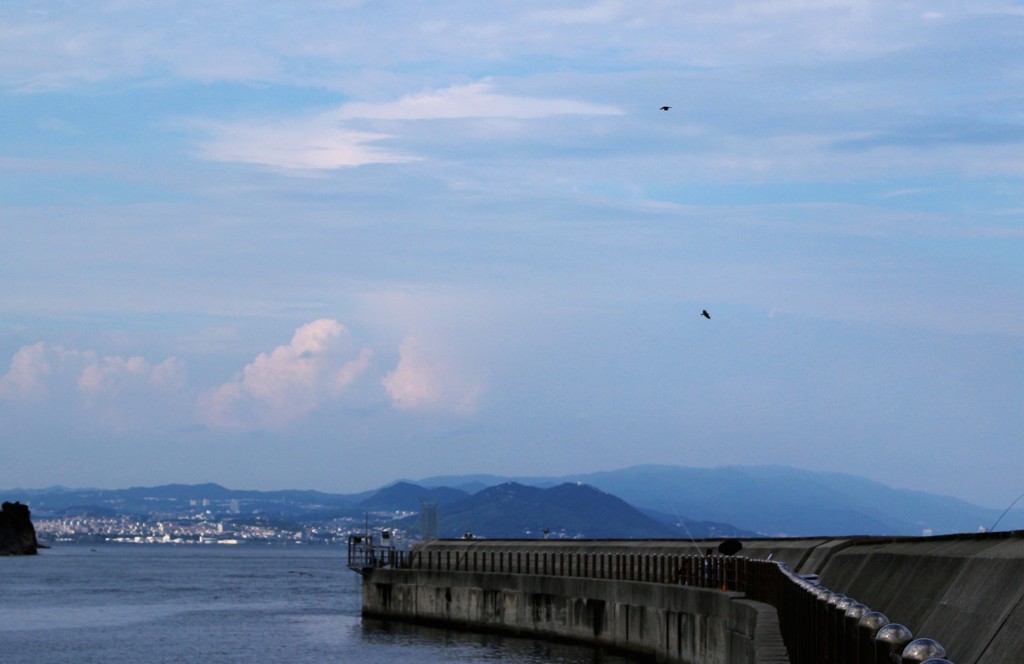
[331, 244]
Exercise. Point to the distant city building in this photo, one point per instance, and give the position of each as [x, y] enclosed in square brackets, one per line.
[428, 520]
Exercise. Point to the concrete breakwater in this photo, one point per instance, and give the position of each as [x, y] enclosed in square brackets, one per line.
[664, 622]
[673, 608]
[963, 591]
[966, 591]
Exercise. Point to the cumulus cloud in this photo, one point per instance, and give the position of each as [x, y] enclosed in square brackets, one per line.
[111, 374]
[424, 381]
[28, 372]
[40, 369]
[291, 381]
[119, 392]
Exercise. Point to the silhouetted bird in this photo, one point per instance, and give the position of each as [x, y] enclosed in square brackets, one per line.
[705, 314]
[665, 108]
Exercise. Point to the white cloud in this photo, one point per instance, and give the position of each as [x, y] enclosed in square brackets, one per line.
[324, 142]
[111, 374]
[290, 382]
[36, 371]
[425, 381]
[112, 391]
[476, 100]
[313, 144]
[27, 375]
[601, 12]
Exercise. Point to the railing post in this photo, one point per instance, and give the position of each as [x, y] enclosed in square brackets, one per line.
[890, 642]
[839, 623]
[831, 635]
[851, 618]
[867, 627]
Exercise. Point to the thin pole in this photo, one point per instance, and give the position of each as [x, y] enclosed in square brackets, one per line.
[1004, 512]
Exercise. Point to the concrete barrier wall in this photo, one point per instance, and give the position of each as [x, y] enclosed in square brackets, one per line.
[665, 622]
[965, 592]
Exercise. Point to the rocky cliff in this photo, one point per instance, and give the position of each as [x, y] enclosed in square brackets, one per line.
[17, 535]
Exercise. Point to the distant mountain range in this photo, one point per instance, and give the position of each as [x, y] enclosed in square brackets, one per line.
[408, 497]
[176, 498]
[775, 500]
[641, 501]
[569, 510]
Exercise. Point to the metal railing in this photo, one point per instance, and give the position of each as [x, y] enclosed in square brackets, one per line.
[364, 553]
[818, 626]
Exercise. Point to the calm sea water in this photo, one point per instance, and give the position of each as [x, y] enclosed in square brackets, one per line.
[79, 603]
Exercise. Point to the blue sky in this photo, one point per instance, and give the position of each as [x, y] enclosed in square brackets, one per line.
[331, 244]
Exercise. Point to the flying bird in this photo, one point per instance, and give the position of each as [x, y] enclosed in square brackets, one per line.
[665, 108]
[705, 314]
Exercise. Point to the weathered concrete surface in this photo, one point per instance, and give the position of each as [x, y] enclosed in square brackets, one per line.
[664, 622]
[966, 592]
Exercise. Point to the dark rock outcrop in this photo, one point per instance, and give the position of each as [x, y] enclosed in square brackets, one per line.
[17, 534]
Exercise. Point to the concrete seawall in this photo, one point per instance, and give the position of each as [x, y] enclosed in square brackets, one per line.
[967, 591]
[657, 598]
[662, 622]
